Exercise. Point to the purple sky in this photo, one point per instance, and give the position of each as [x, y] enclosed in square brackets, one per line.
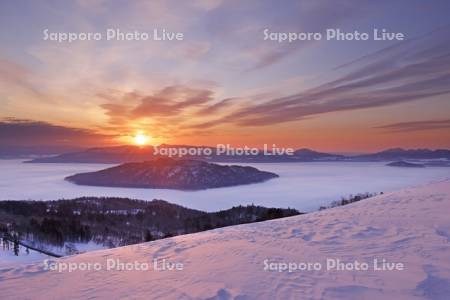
[224, 83]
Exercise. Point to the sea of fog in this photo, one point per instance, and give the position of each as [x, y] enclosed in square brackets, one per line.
[304, 186]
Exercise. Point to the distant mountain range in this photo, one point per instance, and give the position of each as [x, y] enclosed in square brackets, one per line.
[13, 152]
[108, 155]
[168, 173]
[122, 154]
[404, 154]
[311, 155]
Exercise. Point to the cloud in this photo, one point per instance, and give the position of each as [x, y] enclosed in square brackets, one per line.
[245, 23]
[171, 100]
[98, 6]
[217, 107]
[166, 112]
[190, 50]
[16, 76]
[207, 4]
[412, 71]
[30, 133]
[416, 126]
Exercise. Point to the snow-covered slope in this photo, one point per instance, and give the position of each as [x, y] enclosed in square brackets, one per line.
[409, 227]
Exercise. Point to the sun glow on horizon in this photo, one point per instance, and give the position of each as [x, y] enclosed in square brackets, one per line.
[141, 139]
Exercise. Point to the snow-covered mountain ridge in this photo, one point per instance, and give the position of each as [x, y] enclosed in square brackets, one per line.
[410, 227]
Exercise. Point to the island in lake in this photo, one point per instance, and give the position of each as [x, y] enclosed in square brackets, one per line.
[167, 173]
[405, 164]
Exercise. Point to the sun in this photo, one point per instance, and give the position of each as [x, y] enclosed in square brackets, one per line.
[141, 138]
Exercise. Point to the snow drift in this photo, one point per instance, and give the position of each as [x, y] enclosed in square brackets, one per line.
[410, 227]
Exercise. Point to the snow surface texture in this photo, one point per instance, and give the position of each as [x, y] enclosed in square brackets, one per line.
[411, 226]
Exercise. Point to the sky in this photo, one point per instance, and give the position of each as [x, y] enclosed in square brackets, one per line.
[223, 83]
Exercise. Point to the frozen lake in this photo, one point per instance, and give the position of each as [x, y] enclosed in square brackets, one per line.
[304, 186]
